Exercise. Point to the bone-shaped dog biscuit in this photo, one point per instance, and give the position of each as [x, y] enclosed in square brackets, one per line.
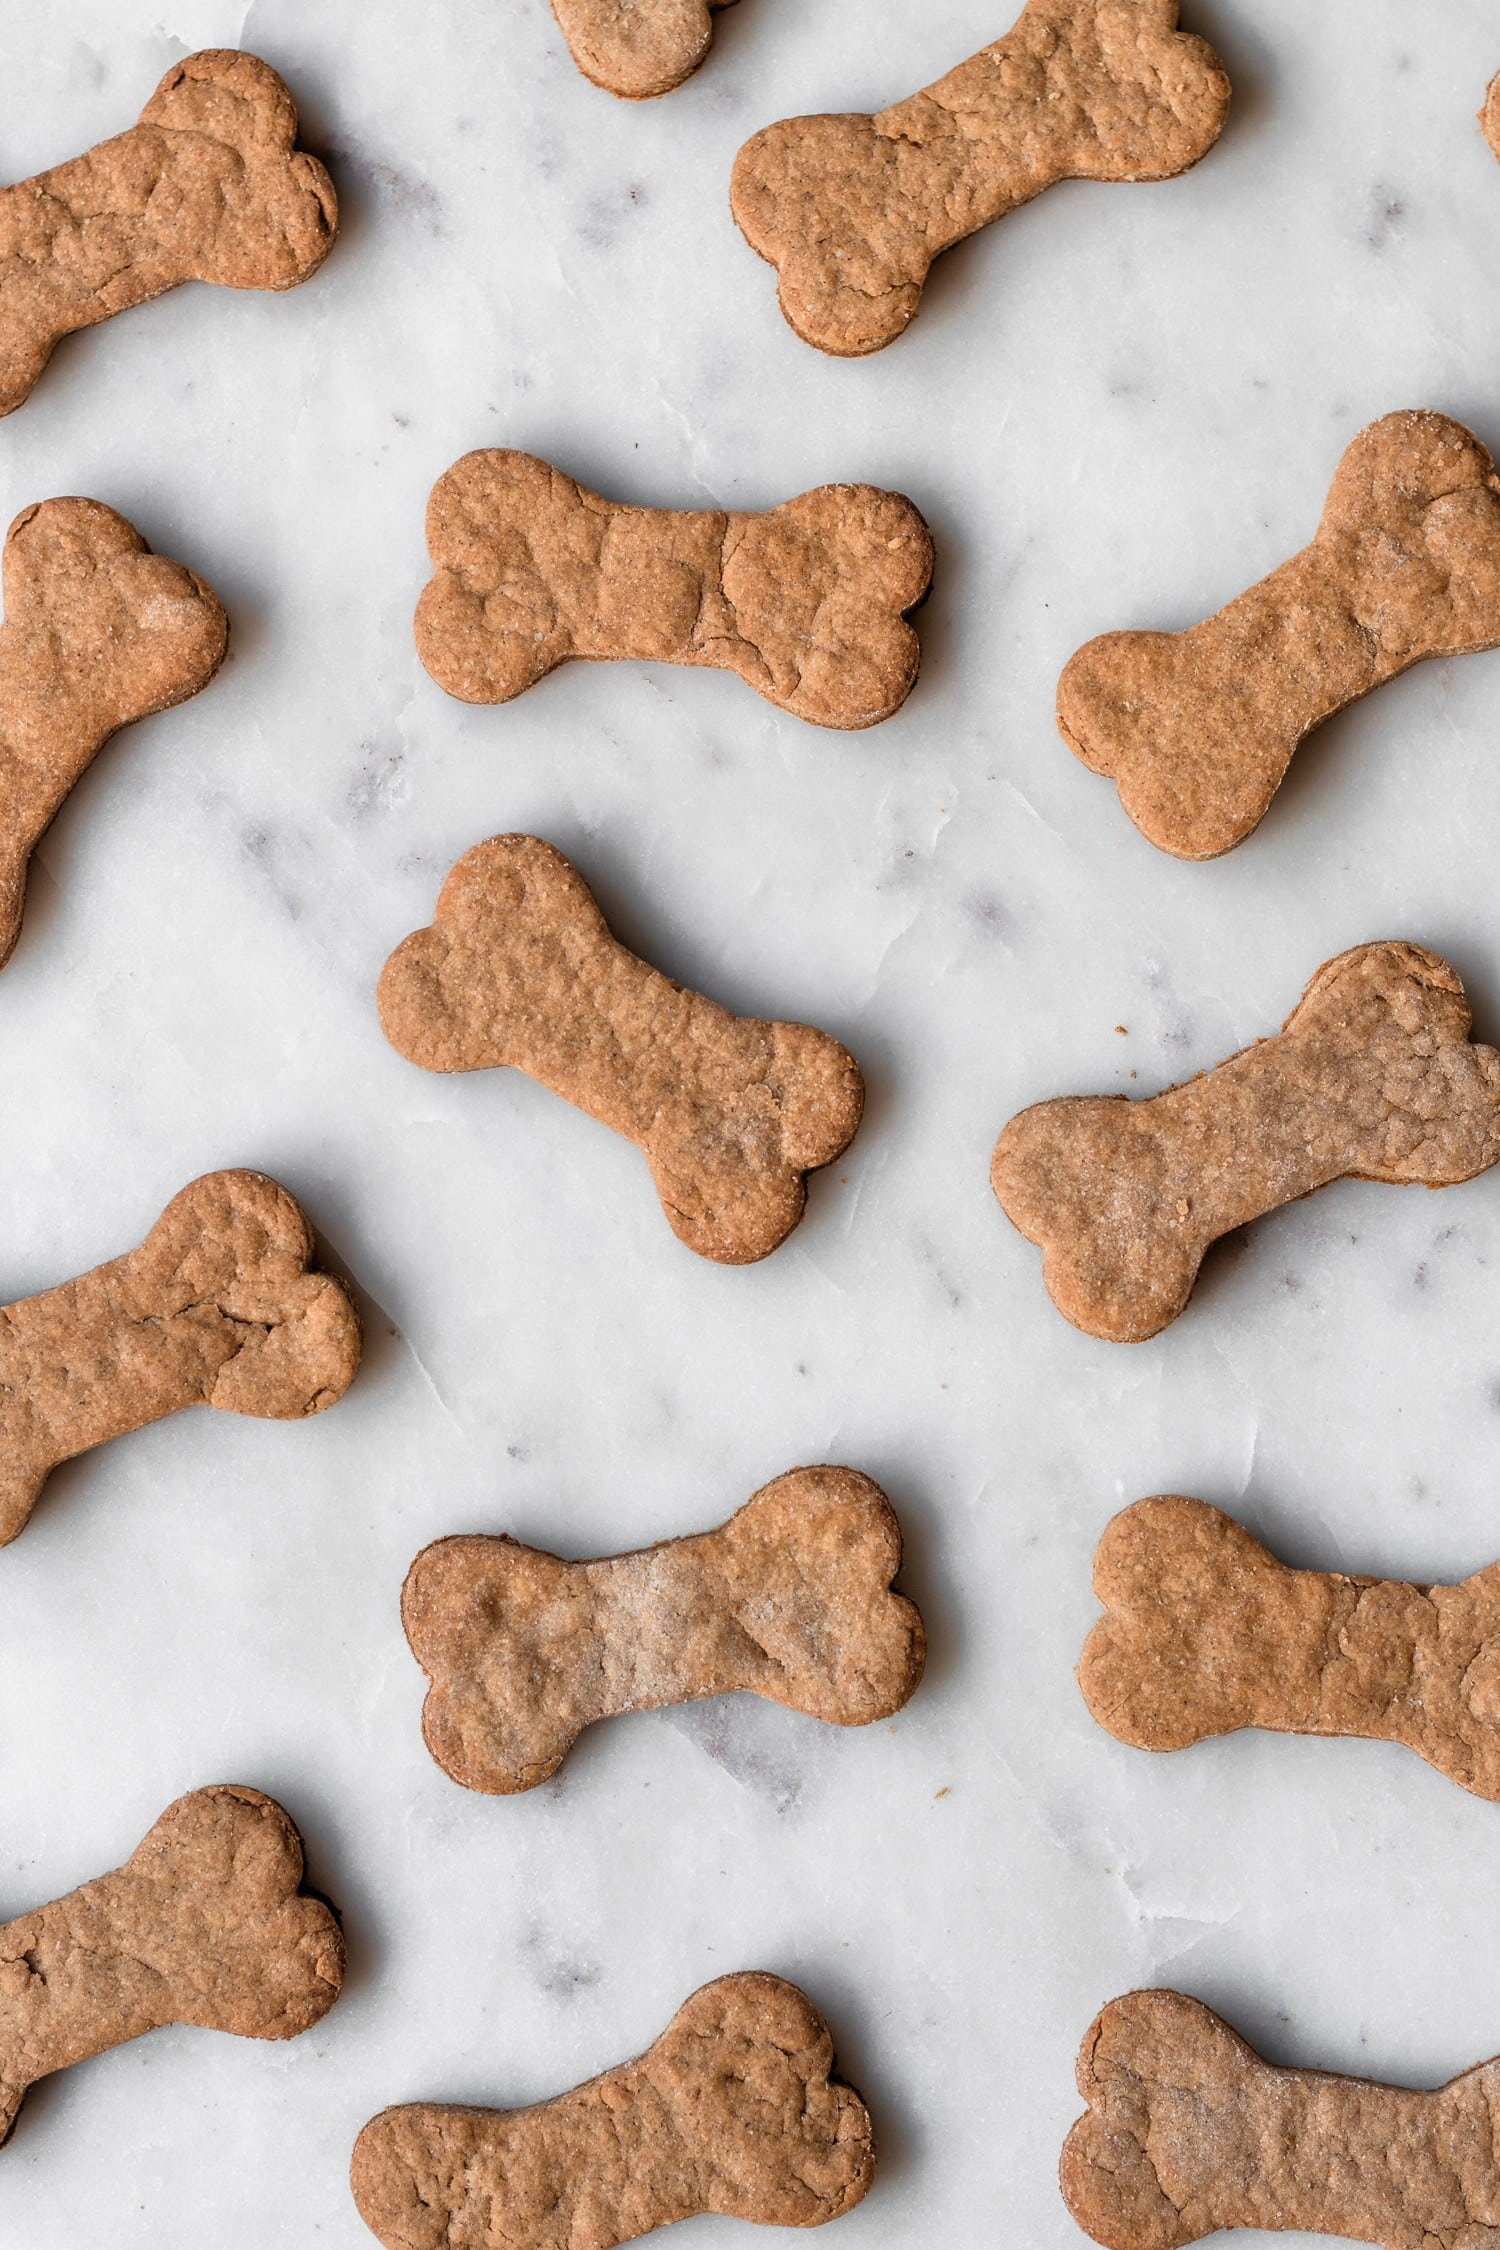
[1205, 1631]
[216, 1308]
[1372, 1078]
[637, 48]
[98, 631]
[1198, 728]
[203, 1925]
[1489, 116]
[852, 210]
[1188, 2130]
[209, 186]
[807, 603]
[733, 2110]
[790, 1599]
[519, 967]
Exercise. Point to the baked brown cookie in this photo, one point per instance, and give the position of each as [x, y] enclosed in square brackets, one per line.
[519, 968]
[216, 1308]
[852, 210]
[98, 631]
[1197, 728]
[205, 1924]
[1188, 2130]
[808, 603]
[791, 1599]
[1205, 1631]
[1373, 1077]
[733, 2110]
[1489, 116]
[209, 186]
[637, 48]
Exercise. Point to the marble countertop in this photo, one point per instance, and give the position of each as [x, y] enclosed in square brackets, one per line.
[1118, 407]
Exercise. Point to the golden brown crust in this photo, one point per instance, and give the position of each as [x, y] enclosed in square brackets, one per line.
[216, 1308]
[852, 210]
[1198, 728]
[98, 632]
[731, 1112]
[209, 186]
[204, 1924]
[1205, 1631]
[1188, 2130]
[1373, 1077]
[637, 48]
[733, 2110]
[790, 1599]
[808, 603]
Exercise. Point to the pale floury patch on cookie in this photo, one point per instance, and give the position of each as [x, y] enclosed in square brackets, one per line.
[217, 1307]
[1373, 1077]
[808, 603]
[852, 210]
[209, 186]
[637, 48]
[98, 632]
[1189, 2131]
[734, 2110]
[1204, 1631]
[791, 1599]
[519, 968]
[204, 1924]
[1198, 728]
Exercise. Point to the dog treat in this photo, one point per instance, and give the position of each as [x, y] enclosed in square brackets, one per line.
[1489, 116]
[808, 603]
[791, 1599]
[1371, 1078]
[730, 1112]
[852, 210]
[216, 1308]
[636, 48]
[733, 2111]
[209, 186]
[1205, 1631]
[98, 631]
[1188, 2130]
[1198, 728]
[204, 1925]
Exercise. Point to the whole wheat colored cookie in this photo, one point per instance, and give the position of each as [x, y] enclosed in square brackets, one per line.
[852, 210]
[1489, 116]
[733, 2110]
[1188, 2130]
[808, 603]
[1205, 1631]
[1198, 728]
[791, 1599]
[1373, 1077]
[209, 186]
[519, 968]
[216, 1308]
[637, 48]
[204, 1924]
[98, 631]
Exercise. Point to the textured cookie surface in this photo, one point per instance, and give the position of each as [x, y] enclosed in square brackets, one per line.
[204, 1924]
[1198, 728]
[637, 48]
[98, 631]
[1373, 1077]
[1489, 116]
[209, 186]
[1189, 2131]
[216, 1308]
[519, 968]
[808, 603]
[790, 1599]
[852, 210]
[734, 2110]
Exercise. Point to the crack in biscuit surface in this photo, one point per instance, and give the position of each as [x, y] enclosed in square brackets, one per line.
[852, 210]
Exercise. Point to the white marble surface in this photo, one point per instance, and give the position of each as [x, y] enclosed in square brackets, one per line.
[1118, 407]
